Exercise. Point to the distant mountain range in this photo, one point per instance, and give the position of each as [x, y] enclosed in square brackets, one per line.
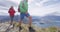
[17, 18]
[48, 18]
[53, 16]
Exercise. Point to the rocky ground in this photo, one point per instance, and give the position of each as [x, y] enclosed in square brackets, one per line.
[4, 26]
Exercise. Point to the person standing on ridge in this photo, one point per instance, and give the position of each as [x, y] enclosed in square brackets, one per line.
[23, 10]
[11, 13]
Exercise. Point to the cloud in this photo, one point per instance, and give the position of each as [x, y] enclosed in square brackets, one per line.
[36, 7]
[44, 7]
[51, 2]
[6, 3]
[3, 8]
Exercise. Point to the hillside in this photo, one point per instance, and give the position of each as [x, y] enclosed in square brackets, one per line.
[4, 26]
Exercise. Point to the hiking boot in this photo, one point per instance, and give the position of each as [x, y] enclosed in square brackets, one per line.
[11, 26]
[20, 28]
[31, 29]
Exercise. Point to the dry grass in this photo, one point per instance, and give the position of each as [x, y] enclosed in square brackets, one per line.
[37, 29]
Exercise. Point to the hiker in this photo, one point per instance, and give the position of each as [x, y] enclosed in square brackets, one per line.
[23, 10]
[11, 13]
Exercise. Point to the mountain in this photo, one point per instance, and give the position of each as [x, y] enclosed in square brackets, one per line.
[53, 18]
[17, 18]
[49, 20]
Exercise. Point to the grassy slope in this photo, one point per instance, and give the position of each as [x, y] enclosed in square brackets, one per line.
[37, 29]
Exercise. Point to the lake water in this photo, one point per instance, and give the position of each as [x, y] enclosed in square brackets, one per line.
[45, 25]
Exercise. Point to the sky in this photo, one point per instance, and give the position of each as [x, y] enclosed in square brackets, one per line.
[35, 7]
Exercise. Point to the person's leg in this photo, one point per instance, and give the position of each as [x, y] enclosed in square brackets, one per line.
[30, 23]
[20, 22]
[21, 19]
[30, 19]
[11, 20]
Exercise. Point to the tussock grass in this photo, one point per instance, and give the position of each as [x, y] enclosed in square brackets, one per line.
[37, 29]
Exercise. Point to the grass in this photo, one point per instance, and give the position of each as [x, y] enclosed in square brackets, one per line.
[37, 29]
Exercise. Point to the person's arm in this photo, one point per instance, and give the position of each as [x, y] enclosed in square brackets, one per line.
[19, 9]
[14, 10]
[9, 11]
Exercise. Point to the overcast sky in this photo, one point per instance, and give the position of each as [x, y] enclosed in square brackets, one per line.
[35, 8]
